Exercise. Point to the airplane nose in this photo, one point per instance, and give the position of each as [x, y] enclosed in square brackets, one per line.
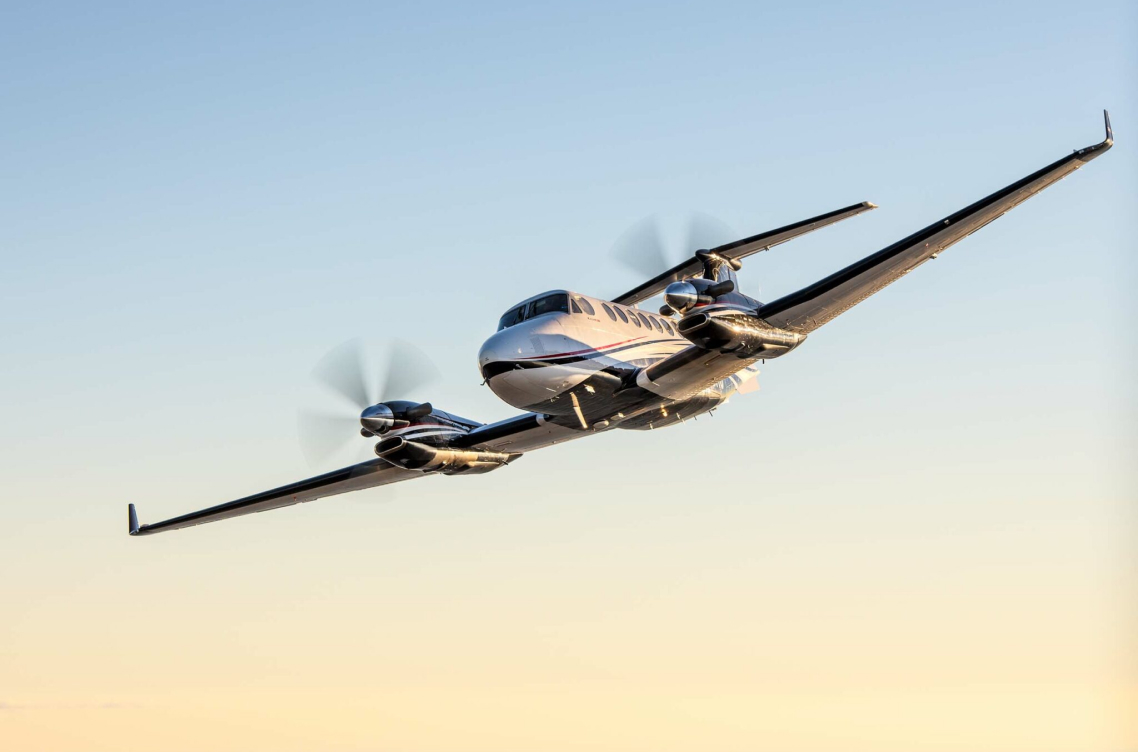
[499, 350]
[498, 346]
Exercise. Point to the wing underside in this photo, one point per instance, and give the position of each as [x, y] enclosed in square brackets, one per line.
[523, 433]
[811, 307]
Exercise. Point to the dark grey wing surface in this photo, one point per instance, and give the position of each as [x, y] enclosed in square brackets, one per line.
[522, 433]
[353, 478]
[740, 249]
[811, 307]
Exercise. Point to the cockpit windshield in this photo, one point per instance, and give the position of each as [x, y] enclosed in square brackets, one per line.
[513, 316]
[557, 302]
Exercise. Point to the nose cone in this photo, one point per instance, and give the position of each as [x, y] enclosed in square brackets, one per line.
[489, 351]
[506, 346]
[503, 361]
[514, 362]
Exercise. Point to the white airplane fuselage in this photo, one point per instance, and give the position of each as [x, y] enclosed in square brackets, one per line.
[574, 361]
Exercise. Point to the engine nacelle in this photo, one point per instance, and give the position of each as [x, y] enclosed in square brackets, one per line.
[687, 294]
[411, 455]
[739, 332]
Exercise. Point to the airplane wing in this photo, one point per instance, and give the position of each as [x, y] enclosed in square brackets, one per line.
[522, 433]
[811, 307]
[740, 249]
[352, 478]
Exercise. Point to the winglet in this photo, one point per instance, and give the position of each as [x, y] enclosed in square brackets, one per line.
[133, 519]
[1090, 152]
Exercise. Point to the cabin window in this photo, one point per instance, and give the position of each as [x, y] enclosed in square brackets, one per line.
[511, 317]
[668, 326]
[656, 323]
[633, 319]
[644, 318]
[586, 305]
[621, 314]
[556, 303]
[608, 311]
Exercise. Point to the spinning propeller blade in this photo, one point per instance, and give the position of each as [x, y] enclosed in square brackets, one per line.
[343, 372]
[642, 249]
[705, 232]
[408, 367]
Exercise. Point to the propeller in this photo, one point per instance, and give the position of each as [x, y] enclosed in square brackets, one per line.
[343, 372]
[642, 248]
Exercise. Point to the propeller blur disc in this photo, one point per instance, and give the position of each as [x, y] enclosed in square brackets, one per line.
[642, 248]
[329, 434]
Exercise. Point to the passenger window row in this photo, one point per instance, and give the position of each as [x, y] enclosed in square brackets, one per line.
[639, 319]
[561, 303]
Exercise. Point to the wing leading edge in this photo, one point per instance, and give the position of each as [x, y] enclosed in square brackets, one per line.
[811, 307]
[522, 433]
[740, 249]
[352, 478]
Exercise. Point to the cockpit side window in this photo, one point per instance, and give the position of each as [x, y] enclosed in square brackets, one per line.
[511, 317]
[586, 305]
[556, 303]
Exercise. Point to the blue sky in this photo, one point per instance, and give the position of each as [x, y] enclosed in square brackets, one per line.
[198, 202]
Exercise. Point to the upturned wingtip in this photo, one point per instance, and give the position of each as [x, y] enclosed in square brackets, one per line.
[133, 519]
[1088, 153]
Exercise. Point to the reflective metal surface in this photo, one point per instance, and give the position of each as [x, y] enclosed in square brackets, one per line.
[681, 296]
[377, 419]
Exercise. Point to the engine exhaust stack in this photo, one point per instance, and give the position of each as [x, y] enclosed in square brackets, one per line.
[411, 455]
[739, 332]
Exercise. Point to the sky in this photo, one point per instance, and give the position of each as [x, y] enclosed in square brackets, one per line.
[919, 534]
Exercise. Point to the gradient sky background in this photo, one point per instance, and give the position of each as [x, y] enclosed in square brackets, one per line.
[919, 535]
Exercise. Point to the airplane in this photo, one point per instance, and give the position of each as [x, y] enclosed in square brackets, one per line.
[579, 365]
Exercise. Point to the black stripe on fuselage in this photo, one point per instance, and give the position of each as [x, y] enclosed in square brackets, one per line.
[490, 370]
